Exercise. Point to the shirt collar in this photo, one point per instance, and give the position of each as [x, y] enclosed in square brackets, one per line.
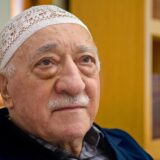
[90, 143]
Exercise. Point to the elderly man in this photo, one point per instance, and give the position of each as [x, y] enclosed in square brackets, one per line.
[49, 83]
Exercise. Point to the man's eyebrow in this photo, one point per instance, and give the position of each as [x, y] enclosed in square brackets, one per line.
[83, 48]
[51, 47]
[43, 50]
[47, 47]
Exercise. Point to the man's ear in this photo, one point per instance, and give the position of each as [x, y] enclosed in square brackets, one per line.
[7, 100]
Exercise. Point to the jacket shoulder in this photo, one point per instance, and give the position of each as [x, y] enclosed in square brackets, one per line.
[123, 142]
[118, 133]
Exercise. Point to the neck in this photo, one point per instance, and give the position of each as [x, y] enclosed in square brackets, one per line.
[73, 147]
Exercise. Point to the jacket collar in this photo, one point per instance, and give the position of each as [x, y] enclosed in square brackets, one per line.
[121, 149]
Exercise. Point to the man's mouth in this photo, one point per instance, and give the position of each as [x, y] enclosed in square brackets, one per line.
[69, 108]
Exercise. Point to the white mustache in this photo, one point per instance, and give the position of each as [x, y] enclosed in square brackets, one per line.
[68, 101]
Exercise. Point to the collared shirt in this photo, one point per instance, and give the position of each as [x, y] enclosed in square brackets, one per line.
[94, 147]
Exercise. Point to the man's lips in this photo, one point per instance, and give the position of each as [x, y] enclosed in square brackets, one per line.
[68, 108]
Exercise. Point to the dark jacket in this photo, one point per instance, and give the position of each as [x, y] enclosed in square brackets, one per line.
[16, 145]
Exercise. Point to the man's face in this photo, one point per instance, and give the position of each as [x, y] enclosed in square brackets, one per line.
[56, 62]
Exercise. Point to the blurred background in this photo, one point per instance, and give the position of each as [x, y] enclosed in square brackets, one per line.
[127, 34]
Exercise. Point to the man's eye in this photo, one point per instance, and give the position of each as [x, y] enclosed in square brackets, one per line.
[87, 59]
[45, 63]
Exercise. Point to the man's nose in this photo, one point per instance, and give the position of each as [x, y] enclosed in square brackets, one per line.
[70, 80]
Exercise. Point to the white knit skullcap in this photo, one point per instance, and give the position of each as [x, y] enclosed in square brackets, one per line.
[21, 27]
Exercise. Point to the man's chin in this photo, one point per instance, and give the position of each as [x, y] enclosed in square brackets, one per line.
[77, 129]
[69, 125]
[72, 131]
